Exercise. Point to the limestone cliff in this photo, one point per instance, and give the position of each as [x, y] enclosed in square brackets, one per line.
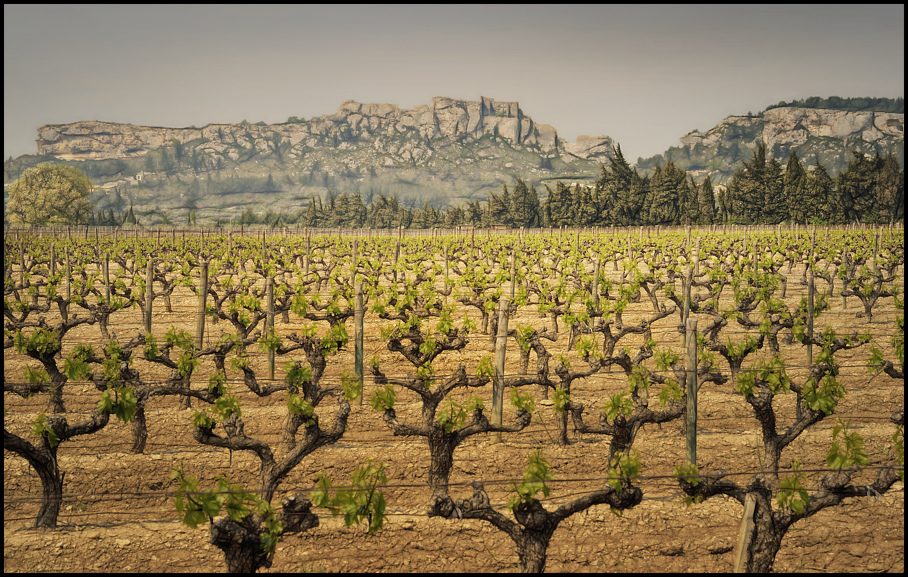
[444, 119]
[813, 133]
[791, 126]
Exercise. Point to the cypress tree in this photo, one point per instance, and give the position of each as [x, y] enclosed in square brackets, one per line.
[561, 205]
[667, 191]
[821, 197]
[706, 202]
[795, 189]
[690, 206]
[774, 207]
[499, 209]
[524, 205]
[586, 214]
[857, 189]
[891, 190]
[547, 209]
[622, 191]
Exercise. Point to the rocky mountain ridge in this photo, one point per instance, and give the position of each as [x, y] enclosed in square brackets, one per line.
[445, 118]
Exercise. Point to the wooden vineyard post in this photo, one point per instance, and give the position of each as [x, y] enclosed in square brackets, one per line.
[358, 328]
[396, 256]
[594, 289]
[513, 272]
[106, 272]
[501, 341]
[876, 248]
[264, 252]
[685, 314]
[747, 527]
[21, 263]
[629, 254]
[844, 282]
[149, 294]
[755, 256]
[809, 315]
[65, 310]
[697, 258]
[53, 260]
[200, 311]
[269, 321]
[691, 368]
[353, 265]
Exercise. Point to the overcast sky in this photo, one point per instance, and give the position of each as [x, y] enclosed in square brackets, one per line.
[643, 74]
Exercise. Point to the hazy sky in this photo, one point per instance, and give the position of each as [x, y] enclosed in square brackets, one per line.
[643, 74]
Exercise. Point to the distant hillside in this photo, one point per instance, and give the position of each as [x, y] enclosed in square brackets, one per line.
[445, 154]
[817, 134]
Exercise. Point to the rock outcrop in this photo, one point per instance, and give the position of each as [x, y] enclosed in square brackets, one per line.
[445, 118]
[793, 126]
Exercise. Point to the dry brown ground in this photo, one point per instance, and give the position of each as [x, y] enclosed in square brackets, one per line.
[119, 516]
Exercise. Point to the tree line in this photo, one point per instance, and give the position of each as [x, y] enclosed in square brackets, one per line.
[895, 105]
[762, 191]
[870, 190]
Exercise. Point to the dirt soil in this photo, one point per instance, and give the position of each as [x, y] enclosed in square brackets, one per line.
[119, 515]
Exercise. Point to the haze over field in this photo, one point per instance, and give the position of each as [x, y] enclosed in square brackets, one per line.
[644, 75]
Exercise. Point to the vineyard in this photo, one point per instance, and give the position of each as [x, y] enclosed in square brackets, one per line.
[620, 399]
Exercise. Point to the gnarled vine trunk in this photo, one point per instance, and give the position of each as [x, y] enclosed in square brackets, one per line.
[441, 449]
[241, 544]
